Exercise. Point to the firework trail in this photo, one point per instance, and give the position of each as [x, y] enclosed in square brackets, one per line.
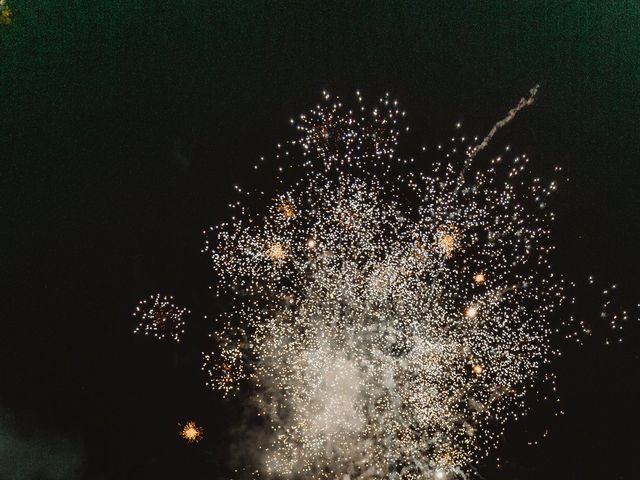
[523, 103]
[387, 324]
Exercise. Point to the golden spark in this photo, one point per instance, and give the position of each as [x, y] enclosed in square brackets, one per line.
[447, 240]
[276, 251]
[191, 432]
[286, 210]
[471, 312]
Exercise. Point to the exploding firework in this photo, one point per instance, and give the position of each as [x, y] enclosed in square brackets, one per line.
[191, 432]
[389, 323]
[159, 317]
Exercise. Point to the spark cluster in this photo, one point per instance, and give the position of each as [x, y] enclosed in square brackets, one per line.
[388, 323]
[191, 432]
[160, 318]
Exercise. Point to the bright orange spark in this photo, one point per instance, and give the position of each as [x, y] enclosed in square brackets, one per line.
[276, 251]
[286, 210]
[447, 240]
[191, 432]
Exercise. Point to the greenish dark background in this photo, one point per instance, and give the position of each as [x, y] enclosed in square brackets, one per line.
[124, 125]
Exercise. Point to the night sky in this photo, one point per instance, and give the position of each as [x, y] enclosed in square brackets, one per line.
[125, 125]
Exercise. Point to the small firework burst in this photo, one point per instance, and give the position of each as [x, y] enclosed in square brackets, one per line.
[276, 251]
[160, 318]
[447, 240]
[286, 209]
[471, 312]
[191, 432]
[479, 278]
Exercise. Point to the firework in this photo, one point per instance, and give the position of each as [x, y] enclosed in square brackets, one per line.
[389, 322]
[191, 432]
[159, 317]
[479, 278]
[6, 14]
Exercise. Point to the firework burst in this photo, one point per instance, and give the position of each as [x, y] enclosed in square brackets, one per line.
[191, 432]
[390, 324]
[160, 318]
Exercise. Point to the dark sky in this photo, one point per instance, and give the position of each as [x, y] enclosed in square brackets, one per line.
[124, 125]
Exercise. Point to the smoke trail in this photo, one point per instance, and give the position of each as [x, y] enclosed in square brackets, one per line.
[523, 103]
